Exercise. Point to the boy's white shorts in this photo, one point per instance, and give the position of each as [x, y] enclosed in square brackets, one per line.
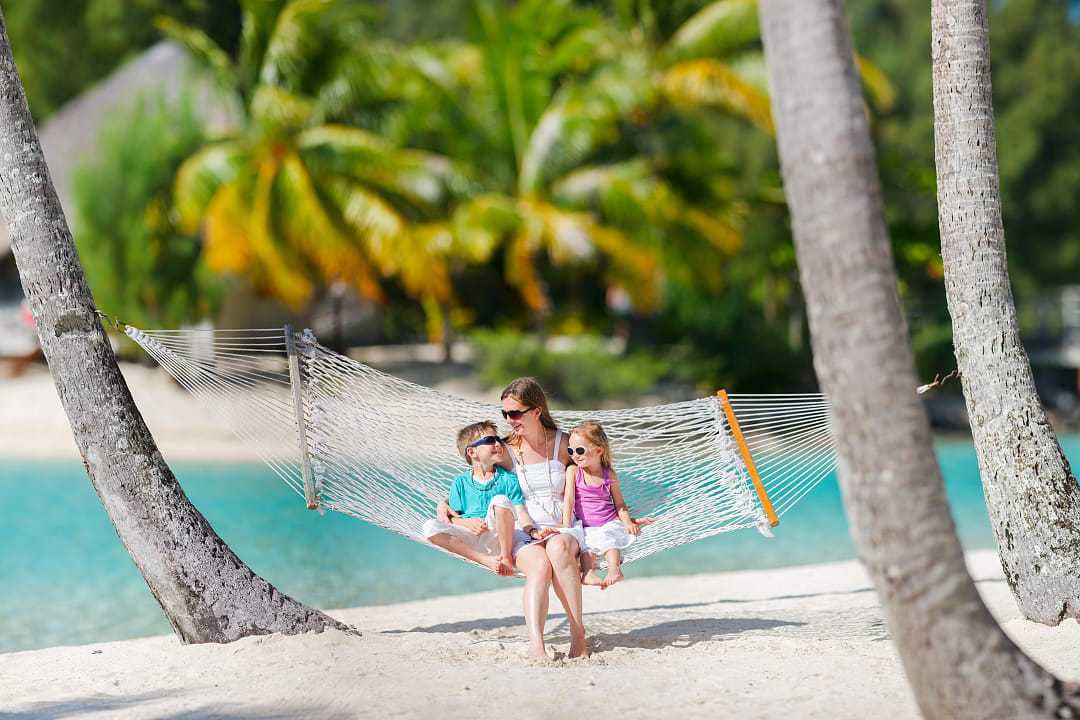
[487, 543]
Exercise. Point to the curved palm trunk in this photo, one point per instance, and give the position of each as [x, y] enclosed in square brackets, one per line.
[208, 594]
[1031, 494]
[959, 662]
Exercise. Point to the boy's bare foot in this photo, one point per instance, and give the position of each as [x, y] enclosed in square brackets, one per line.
[496, 566]
[506, 566]
[592, 578]
[613, 577]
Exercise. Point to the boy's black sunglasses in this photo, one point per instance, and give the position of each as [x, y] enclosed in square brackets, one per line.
[514, 414]
[486, 440]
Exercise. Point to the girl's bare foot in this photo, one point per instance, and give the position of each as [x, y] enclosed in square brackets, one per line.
[614, 575]
[592, 578]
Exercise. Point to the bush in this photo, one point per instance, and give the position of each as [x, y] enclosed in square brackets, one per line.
[586, 374]
[141, 269]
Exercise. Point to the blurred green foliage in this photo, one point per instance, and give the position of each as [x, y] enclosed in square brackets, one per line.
[588, 373]
[141, 267]
[61, 48]
[532, 164]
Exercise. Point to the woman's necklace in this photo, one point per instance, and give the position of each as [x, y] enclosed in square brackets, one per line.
[551, 505]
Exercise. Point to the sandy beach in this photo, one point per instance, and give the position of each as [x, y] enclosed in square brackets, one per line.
[803, 642]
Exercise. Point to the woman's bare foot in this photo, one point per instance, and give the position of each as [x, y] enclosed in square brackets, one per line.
[614, 575]
[592, 578]
[538, 652]
[578, 646]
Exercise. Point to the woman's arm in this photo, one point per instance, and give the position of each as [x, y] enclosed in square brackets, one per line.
[568, 497]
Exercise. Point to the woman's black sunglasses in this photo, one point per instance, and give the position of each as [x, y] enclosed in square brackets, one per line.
[486, 440]
[515, 414]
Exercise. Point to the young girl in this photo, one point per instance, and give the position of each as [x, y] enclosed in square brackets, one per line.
[593, 496]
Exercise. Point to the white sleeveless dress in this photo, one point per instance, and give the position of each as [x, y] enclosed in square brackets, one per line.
[543, 484]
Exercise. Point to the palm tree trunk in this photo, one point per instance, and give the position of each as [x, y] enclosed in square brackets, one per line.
[1031, 494]
[958, 661]
[207, 593]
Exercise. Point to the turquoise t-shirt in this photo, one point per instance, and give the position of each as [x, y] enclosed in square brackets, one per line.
[470, 498]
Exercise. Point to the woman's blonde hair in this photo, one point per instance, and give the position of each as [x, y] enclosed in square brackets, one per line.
[594, 433]
[528, 392]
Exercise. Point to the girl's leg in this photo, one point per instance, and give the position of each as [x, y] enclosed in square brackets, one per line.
[562, 550]
[533, 561]
[614, 568]
[589, 576]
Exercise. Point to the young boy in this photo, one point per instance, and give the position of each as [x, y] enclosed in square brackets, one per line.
[483, 502]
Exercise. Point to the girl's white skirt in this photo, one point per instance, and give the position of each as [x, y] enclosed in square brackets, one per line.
[609, 536]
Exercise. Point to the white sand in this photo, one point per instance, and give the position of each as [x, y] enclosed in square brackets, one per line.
[806, 642]
[33, 424]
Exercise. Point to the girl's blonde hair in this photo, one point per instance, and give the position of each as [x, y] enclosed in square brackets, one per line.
[594, 433]
[528, 392]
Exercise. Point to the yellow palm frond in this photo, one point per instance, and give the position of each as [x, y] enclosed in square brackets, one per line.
[877, 84]
[275, 109]
[282, 268]
[370, 219]
[309, 227]
[480, 225]
[723, 235]
[227, 246]
[711, 83]
[198, 180]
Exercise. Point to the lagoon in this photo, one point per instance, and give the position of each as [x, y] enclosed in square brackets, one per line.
[67, 579]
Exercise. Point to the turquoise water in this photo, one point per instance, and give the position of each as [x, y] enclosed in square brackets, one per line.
[67, 579]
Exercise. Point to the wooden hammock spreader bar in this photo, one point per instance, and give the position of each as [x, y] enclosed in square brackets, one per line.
[298, 404]
[766, 504]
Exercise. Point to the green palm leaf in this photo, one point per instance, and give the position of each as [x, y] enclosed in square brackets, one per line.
[716, 30]
[200, 177]
[205, 51]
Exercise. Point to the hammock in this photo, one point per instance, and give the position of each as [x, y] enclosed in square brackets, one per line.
[352, 439]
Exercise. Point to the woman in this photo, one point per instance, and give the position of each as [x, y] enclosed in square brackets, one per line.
[539, 456]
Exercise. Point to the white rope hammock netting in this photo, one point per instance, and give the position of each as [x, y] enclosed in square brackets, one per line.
[383, 449]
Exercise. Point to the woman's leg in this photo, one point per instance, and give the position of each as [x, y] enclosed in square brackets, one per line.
[533, 561]
[562, 551]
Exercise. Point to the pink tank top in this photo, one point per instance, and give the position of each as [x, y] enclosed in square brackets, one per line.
[593, 505]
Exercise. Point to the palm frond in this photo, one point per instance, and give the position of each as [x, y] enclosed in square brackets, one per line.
[711, 83]
[583, 118]
[203, 49]
[227, 243]
[283, 272]
[877, 84]
[199, 178]
[308, 226]
[716, 30]
[274, 109]
[480, 225]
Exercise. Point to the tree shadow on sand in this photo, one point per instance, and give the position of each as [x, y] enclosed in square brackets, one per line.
[489, 624]
[111, 705]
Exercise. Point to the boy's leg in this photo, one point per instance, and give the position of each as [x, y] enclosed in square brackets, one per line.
[459, 545]
[614, 568]
[501, 519]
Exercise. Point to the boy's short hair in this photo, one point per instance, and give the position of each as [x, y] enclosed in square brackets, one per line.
[471, 432]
